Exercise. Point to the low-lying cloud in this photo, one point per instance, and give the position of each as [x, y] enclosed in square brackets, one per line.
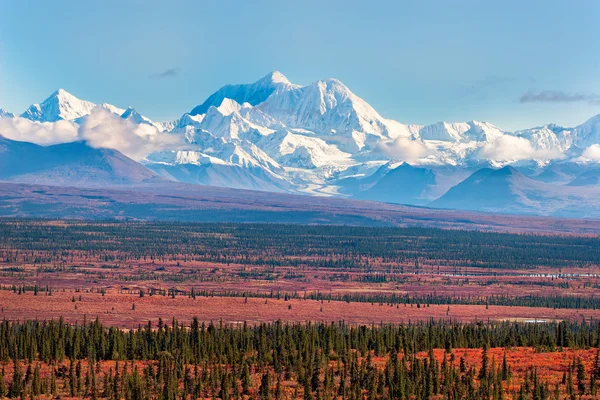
[508, 148]
[557, 96]
[43, 133]
[592, 153]
[403, 149]
[101, 129]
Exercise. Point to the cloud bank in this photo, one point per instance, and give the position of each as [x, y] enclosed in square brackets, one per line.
[101, 129]
[45, 133]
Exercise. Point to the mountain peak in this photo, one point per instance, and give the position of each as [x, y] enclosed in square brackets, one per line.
[129, 112]
[229, 106]
[252, 93]
[333, 81]
[6, 114]
[595, 120]
[508, 170]
[275, 77]
[61, 105]
[333, 85]
[62, 95]
[60, 92]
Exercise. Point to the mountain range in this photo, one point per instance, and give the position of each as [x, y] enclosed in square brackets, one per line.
[319, 139]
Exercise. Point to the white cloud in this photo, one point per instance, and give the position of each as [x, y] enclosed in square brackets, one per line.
[403, 149]
[43, 133]
[508, 148]
[592, 153]
[102, 129]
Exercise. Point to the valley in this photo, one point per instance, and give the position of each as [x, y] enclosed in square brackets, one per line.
[260, 272]
[164, 309]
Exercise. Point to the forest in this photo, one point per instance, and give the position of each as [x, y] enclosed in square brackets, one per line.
[311, 361]
[275, 244]
[420, 266]
[165, 310]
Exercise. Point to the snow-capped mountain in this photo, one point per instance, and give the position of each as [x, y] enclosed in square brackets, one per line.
[309, 135]
[6, 114]
[110, 108]
[323, 139]
[253, 94]
[548, 137]
[321, 134]
[588, 133]
[461, 132]
[61, 105]
[329, 109]
[132, 115]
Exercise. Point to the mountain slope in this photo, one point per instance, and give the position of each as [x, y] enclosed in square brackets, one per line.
[588, 178]
[404, 184]
[132, 115]
[486, 189]
[17, 158]
[461, 132]
[507, 190]
[180, 202]
[222, 175]
[561, 172]
[253, 93]
[588, 133]
[6, 114]
[334, 113]
[73, 163]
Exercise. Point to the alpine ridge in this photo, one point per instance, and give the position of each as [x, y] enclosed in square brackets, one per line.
[322, 139]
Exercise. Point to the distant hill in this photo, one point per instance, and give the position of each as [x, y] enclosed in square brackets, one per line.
[507, 190]
[172, 201]
[588, 178]
[404, 184]
[73, 163]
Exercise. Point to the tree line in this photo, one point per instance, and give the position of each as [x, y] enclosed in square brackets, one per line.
[280, 360]
[342, 247]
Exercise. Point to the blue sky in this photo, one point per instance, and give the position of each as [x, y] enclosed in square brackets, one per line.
[414, 61]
